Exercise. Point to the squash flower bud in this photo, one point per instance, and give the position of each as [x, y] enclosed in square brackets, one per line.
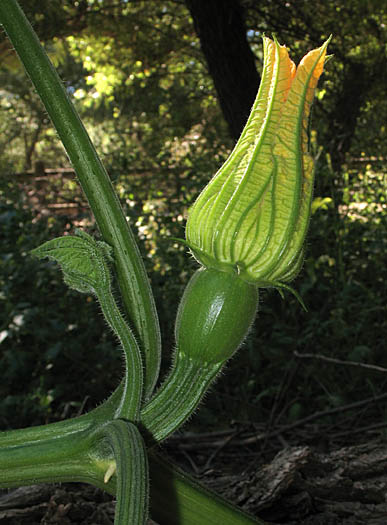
[253, 215]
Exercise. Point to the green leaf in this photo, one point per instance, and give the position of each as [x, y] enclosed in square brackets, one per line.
[82, 260]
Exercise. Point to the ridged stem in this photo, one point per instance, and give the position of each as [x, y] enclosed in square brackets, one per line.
[178, 397]
[129, 406]
[62, 457]
[97, 416]
[132, 472]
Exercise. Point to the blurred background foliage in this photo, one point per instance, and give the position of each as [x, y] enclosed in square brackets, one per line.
[140, 77]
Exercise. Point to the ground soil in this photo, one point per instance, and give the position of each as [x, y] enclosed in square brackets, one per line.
[290, 483]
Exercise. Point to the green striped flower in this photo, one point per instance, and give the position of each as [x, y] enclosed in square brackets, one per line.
[253, 215]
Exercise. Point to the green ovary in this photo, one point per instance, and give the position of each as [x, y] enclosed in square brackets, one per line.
[214, 316]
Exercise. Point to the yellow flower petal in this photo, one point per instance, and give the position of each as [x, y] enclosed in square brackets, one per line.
[293, 176]
[236, 192]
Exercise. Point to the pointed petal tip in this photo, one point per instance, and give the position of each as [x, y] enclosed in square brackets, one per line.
[315, 59]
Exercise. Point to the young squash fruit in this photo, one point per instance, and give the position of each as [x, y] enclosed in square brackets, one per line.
[214, 315]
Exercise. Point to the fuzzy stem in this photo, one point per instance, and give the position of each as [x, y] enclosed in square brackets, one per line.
[129, 407]
[61, 457]
[132, 472]
[178, 396]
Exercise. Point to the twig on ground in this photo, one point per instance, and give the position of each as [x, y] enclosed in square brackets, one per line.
[280, 430]
[359, 430]
[339, 361]
[220, 446]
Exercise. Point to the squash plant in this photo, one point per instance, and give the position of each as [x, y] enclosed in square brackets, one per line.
[246, 230]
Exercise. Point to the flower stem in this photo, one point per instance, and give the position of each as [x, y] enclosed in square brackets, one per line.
[178, 397]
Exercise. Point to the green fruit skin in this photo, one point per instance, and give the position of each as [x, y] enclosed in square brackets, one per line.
[214, 315]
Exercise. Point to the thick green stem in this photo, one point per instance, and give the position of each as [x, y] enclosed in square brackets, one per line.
[63, 456]
[132, 472]
[74, 450]
[98, 416]
[178, 396]
[134, 285]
